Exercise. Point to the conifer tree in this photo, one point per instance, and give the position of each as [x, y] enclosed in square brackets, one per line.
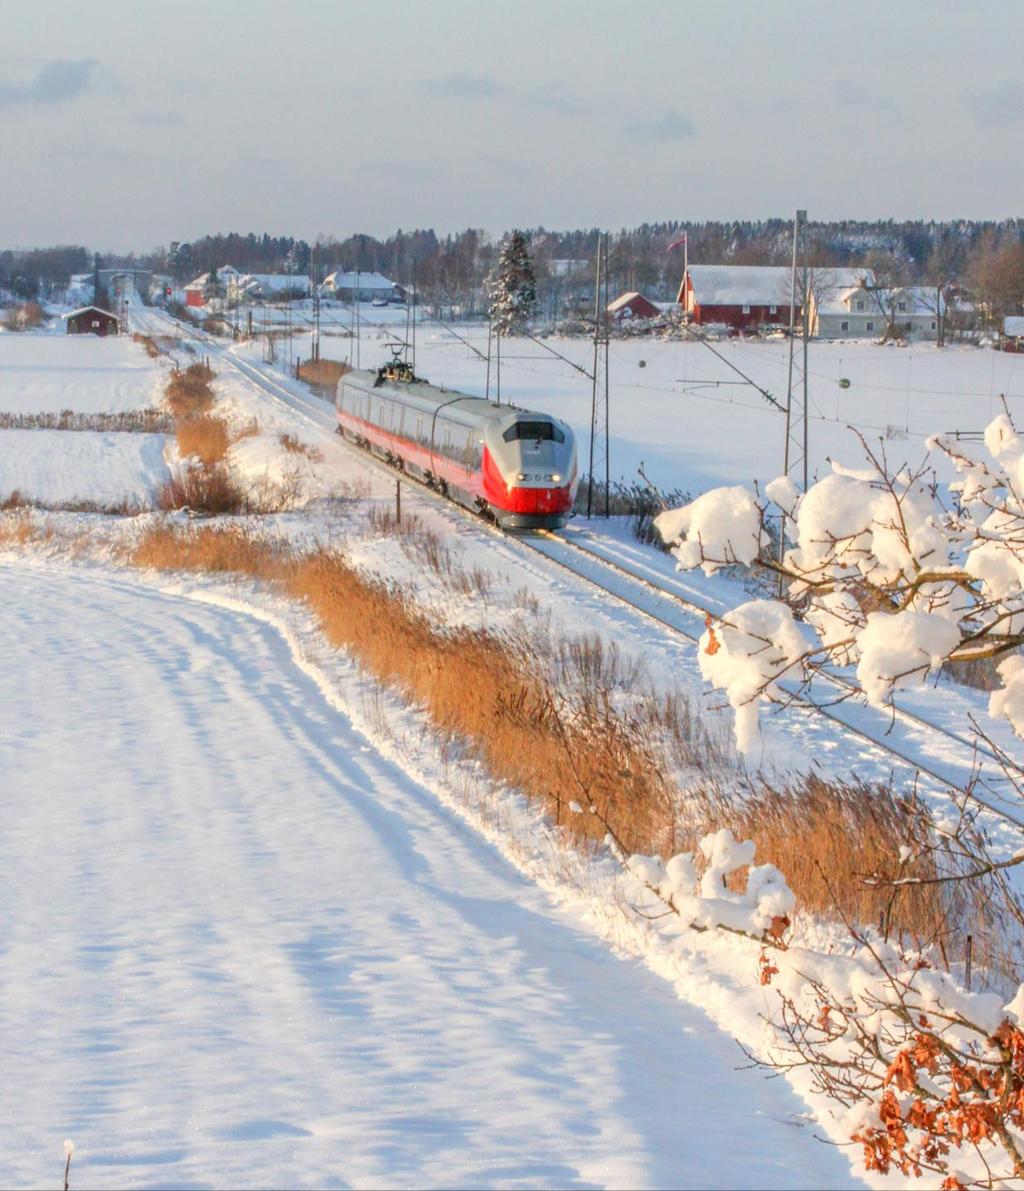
[512, 286]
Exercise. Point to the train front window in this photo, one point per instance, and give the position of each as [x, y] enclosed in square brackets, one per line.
[534, 432]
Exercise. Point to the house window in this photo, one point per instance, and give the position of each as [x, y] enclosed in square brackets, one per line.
[746, 309]
[933, 326]
[773, 310]
[860, 303]
[869, 325]
[844, 326]
[901, 305]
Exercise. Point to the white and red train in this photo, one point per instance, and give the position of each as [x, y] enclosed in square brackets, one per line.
[516, 466]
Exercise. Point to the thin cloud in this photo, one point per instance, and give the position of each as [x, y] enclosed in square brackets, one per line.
[669, 127]
[1002, 105]
[465, 86]
[55, 82]
[161, 119]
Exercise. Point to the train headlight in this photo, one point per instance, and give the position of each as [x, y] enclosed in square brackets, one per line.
[522, 475]
[555, 478]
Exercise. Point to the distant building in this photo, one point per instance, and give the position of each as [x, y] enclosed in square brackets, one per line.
[1012, 338]
[633, 305]
[864, 310]
[199, 291]
[740, 296]
[353, 285]
[247, 287]
[91, 320]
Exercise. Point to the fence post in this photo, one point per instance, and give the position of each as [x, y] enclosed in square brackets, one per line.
[968, 961]
[398, 502]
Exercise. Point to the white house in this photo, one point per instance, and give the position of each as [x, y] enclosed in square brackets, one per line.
[863, 310]
[348, 284]
[248, 287]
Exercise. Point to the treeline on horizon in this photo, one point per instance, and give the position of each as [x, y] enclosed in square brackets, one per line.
[968, 253]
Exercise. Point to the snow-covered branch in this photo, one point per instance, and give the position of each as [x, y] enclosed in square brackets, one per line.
[881, 569]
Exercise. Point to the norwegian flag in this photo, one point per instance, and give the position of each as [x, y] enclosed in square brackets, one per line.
[676, 243]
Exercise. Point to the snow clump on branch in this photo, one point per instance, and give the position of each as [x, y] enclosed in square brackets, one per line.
[884, 568]
[719, 529]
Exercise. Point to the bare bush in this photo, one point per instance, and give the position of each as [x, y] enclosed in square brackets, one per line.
[188, 392]
[23, 317]
[206, 438]
[325, 373]
[295, 446]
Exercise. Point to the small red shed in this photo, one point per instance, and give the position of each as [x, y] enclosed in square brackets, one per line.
[92, 320]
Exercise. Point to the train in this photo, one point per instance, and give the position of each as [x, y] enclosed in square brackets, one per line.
[512, 465]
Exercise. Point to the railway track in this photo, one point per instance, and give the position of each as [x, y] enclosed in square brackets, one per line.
[947, 757]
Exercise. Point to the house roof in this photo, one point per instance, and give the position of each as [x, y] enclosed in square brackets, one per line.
[86, 310]
[273, 281]
[759, 285]
[739, 285]
[920, 300]
[349, 279]
[628, 299]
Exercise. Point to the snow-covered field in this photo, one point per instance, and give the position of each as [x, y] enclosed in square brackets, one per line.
[243, 948]
[50, 373]
[61, 466]
[693, 422]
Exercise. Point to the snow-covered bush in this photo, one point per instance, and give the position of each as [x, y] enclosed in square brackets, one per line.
[883, 568]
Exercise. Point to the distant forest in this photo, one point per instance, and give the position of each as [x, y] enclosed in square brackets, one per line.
[982, 258]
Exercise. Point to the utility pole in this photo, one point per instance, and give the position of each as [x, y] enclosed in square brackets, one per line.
[795, 453]
[599, 401]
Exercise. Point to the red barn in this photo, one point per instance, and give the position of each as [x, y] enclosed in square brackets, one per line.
[633, 305]
[741, 296]
[91, 320]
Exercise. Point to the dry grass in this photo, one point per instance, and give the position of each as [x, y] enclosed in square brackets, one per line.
[206, 438]
[149, 345]
[211, 490]
[220, 549]
[188, 392]
[295, 446]
[322, 372]
[134, 421]
[575, 725]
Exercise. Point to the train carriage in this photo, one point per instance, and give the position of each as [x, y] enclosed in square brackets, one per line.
[514, 465]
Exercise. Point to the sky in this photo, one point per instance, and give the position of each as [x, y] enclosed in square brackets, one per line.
[126, 125]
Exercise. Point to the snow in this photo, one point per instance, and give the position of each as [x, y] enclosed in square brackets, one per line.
[84, 373]
[897, 650]
[243, 946]
[718, 529]
[70, 466]
[745, 654]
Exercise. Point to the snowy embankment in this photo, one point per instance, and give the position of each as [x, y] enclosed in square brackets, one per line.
[246, 944]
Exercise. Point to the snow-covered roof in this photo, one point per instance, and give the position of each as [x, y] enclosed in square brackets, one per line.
[739, 285]
[276, 282]
[627, 299]
[349, 279]
[1013, 325]
[761, 285]
[918, 300]
[86, 309]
